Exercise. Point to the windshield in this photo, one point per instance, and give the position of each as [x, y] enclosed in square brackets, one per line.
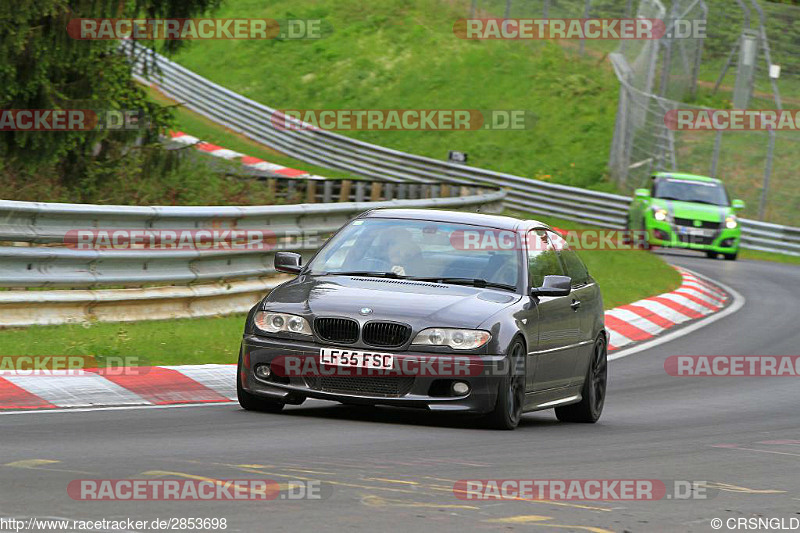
[703, 192]
[422, 249]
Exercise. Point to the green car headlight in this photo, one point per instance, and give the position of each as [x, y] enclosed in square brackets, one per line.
[660, 214]
[731, 222]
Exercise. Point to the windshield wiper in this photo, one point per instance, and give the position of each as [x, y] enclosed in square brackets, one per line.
[475, 282]
[363, 273]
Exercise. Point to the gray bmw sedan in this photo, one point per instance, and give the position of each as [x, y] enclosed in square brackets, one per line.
[439, 310]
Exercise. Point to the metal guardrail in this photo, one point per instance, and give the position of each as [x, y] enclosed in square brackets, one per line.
[327, 149]
[768, 237]
[60, 266]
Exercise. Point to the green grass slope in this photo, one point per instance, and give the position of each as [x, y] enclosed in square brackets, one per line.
[397, 54]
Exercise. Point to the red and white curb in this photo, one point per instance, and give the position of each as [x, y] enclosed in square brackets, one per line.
[644, 319]
[246, 160]
[147, 386]
[630, 327]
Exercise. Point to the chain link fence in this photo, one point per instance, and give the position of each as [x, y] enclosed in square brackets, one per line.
[732, 67]
[729, 66]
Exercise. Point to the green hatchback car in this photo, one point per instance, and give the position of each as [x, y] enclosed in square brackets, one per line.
[687, 211]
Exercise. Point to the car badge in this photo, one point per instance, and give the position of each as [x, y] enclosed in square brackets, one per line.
[698, 223]
[365, 311]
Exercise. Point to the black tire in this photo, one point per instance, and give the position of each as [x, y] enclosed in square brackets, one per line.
[731, 257]
[511, 391]
[589, 409]
[251, 402]
[711, 255]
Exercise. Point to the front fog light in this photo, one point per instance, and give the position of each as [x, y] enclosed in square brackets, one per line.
[460, 388]
[660, 215]
[263, 372]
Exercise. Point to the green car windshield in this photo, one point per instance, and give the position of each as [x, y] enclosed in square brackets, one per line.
[703, 192]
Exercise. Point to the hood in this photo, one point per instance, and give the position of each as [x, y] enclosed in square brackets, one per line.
[419, 304]
[694, 211]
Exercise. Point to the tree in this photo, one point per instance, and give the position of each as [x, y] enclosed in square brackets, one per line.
[42, 67]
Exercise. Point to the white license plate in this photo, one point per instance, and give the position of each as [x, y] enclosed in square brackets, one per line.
[354, 358]
[698, 232]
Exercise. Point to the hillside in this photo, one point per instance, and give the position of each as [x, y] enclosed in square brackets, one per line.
[397, 54]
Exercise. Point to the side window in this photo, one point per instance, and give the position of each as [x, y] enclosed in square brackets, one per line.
[575, 267]
[542, 258]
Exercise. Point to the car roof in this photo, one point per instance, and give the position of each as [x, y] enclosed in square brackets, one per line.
[690, 177]
[456, 217]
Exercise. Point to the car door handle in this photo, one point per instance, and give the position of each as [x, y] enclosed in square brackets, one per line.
[575, 304]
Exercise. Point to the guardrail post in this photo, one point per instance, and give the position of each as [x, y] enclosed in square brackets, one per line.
[311, 191]
[762, 204]
[402, 190]
[327, 191]
[375, 193]
[389, 188]
[272, 187]
[463, 191]
[445, 190]
[360, 186]
[344, 190]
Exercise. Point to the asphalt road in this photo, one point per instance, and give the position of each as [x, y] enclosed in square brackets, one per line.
[392, 470]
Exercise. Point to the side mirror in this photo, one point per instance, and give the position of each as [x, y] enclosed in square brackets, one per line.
[288, 262]
[553, 286]
[642, 193]
[738, 204]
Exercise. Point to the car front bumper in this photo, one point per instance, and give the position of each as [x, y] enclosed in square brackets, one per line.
[723, 240]
[424, 390]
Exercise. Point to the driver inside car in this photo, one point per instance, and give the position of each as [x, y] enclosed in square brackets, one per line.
[403, 255]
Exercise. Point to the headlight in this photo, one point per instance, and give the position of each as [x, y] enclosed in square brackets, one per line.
[281, 322]
[731, 222]
[660, 214]
[458, 339]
